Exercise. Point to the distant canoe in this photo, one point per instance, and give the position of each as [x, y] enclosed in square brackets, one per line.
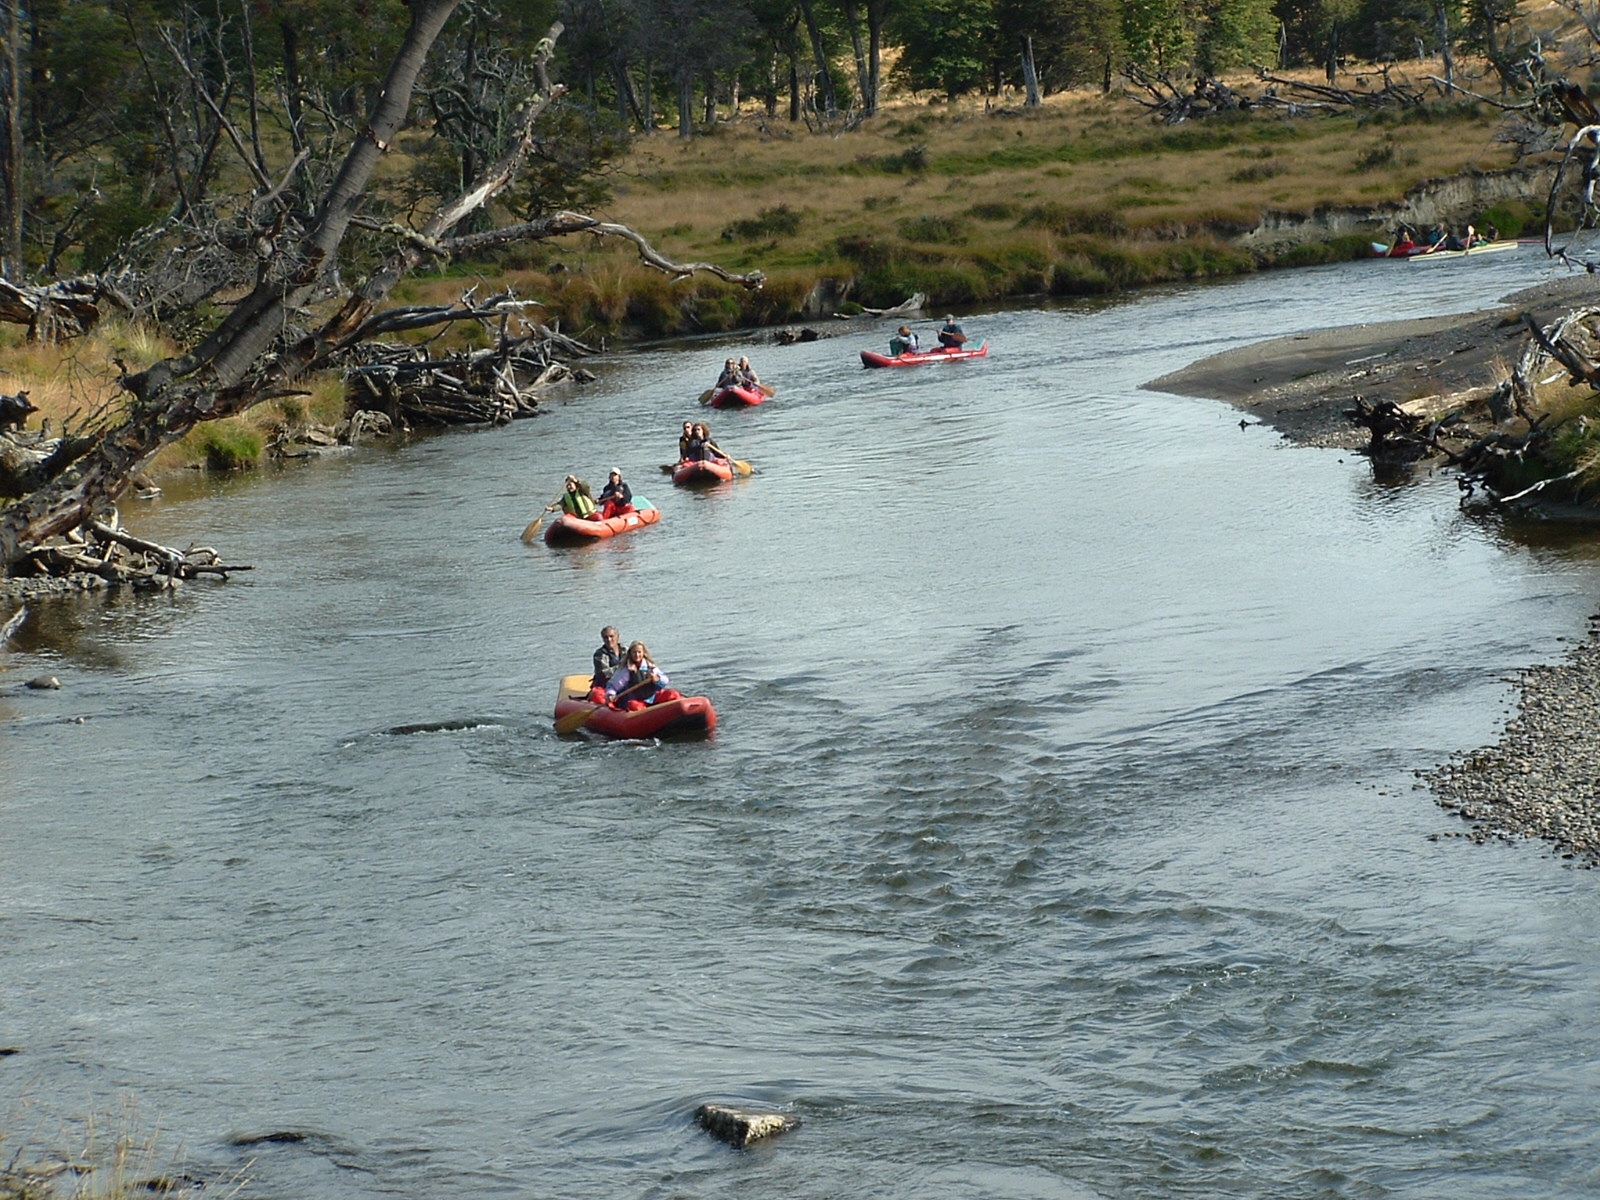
[568, 530]
[736, 397]
[870, 358]
[1423, 254]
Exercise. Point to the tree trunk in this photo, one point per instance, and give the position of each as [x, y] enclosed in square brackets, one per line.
[12, 266]
[685, 103]
[852, 18]
[875, 20]
[794, 87]
[1449, 62]
[1030, 77]
[291, 83]
[830, 100]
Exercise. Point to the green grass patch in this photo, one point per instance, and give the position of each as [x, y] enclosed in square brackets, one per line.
[1345, 248]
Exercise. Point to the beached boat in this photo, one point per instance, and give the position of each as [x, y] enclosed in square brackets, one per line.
[871, 358]
[736, 397]
[687, 716]
[568, 530]
[690, 471]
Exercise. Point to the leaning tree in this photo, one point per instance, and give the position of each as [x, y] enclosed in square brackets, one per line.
[259, 349]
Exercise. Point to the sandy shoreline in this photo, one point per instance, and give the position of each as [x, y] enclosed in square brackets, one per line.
[1301, 385]
[1539, 779]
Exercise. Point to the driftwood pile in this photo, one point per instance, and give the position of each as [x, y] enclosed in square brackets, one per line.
[101, 549]
[1507, 456]
[416, 388]
[1175, 100]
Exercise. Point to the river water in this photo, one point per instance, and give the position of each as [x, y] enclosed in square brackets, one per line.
[1059, 838]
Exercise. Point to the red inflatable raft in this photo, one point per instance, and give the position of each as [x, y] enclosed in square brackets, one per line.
[568, 530]
[871, 359]
[736, 397]
[687, 716]
[691, 471]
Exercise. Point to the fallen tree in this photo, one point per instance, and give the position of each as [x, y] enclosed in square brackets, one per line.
[258, 350]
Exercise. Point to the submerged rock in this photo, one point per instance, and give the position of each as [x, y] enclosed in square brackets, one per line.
[741, 1126]
[43, 683]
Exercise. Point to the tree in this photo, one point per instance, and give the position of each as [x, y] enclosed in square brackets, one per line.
[946, 45]
[254, 352]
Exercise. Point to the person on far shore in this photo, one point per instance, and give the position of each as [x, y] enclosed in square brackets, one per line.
[575, 499]
[951, 335]
[608, 661]
[903, 342]
[639, 683]
[616, 498]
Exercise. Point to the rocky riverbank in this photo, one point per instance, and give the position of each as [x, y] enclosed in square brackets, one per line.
[1539, 779]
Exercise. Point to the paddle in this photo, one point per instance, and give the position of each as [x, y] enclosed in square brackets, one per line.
[575, 721]
[705, 396]
[766, 391]
[532, 530]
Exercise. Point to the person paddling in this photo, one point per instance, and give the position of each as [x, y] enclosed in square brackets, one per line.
[704, 446]
[575, 499]
[639, 683]
[616, 498]
[685, 439]
[729, 376]
[747, 374]
[951, 335]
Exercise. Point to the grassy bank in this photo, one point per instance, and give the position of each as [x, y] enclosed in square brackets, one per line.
[967, 204]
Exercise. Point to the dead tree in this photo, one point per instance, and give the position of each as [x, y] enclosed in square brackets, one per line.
[253, 355]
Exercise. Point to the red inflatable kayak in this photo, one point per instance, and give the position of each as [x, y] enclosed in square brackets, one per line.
[691, 471]
[871, 359]
[685, 717]
[736, 397]
[568, 530]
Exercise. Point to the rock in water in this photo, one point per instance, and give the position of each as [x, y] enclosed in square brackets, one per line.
[43, 683]
[741, 1126]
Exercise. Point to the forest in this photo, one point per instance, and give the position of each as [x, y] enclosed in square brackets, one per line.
[125, 116]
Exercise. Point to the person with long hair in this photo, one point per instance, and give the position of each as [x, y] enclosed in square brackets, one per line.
[639, 683]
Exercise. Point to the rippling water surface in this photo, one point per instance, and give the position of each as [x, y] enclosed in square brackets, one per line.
[1058, 840]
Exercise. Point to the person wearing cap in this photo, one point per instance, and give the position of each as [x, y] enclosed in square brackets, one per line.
[951, 336]
[616, 498]
[575, 499]
[903, 342]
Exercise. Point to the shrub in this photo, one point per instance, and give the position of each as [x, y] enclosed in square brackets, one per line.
[934, 229]
[225, 446]
[994, 210]
[780, 221]
[1060, 219]
[1345, 248]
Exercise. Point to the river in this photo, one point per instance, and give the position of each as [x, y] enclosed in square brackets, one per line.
[1060, 836]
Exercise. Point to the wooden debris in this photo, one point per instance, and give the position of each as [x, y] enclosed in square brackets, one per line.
[491, 386]
[100, 548]
[741, 1126]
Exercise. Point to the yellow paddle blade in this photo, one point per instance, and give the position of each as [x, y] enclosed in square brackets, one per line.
[705, 396]
[769, 392]
[532, 530]
[742, 467]
[575, 721]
